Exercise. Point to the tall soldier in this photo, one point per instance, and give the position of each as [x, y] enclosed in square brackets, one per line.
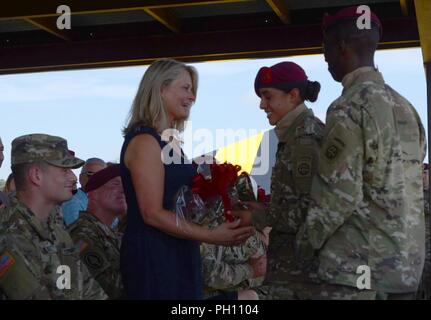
[366, 220]
[38, 259]
[424, 291]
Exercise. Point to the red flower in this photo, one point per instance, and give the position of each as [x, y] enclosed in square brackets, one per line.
[223, 177]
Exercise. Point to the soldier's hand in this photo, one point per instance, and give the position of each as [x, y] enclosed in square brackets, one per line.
[230, 233]
[258, 265]
[244, 216]
[264, 235]
[247, 295]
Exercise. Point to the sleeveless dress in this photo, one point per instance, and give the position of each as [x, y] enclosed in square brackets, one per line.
[155, 265]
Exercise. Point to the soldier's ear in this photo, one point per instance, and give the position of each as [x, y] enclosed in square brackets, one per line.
[35, 175]
[344, 49]
[93, 195]
[295, 95]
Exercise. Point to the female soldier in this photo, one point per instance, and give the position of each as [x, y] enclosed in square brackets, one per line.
[282, 89]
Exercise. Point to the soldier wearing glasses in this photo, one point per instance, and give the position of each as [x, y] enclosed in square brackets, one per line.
[79, 201]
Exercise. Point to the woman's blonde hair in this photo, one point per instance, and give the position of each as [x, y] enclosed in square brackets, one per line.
[147, 107]
[8, 185]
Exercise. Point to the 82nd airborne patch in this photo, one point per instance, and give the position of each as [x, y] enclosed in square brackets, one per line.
[303, 167]
[93, 260]
[331, 152]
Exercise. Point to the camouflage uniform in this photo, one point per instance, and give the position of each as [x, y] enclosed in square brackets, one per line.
[227, 268]
[4, 200]
[30, 253]
[100, 251]
[38, 259]
[367, 206]
[424, 291]
[299, 134]
[120, 228]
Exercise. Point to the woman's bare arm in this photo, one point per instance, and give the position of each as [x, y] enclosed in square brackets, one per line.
[143, 159]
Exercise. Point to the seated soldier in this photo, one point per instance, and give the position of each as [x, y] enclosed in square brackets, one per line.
[99, 244]
[79, 201]
[235, 268]
[38, 259]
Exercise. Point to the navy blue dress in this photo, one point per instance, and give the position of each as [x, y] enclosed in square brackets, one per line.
[155, 265]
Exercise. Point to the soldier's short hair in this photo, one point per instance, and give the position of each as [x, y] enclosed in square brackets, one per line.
[94, 160]
[20, 171]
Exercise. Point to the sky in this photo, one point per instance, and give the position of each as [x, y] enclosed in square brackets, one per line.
[89, 107]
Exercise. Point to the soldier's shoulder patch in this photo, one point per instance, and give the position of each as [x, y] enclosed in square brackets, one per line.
[334, 148]
[332, 151]
[93, 260]
[303, 167]
[6, 262]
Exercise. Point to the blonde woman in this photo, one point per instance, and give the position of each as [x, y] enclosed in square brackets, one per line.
[159, 258]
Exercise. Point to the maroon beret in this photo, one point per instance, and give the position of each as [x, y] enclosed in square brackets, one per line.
[349, 13]
[103, 176]
[284, 76]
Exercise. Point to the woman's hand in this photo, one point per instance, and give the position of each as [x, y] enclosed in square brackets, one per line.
[230, 234]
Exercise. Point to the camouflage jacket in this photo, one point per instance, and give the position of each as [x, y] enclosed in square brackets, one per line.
[424, 291]
[100, 251]
[4, 200]
[367, 207]
[227, 268]
[35, 258]
[299, 134]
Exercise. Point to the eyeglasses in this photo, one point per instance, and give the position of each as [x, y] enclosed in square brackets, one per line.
[88, 173]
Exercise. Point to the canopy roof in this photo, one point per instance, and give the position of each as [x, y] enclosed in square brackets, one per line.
[106, 33]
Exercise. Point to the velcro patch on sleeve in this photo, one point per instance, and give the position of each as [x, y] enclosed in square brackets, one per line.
[334, 149]
[94, 260]
[303, 167]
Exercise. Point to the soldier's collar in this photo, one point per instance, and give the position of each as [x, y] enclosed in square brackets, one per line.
[95, 220]
[86, 214]
[361, 75]
[287, 121]
[42, 228]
